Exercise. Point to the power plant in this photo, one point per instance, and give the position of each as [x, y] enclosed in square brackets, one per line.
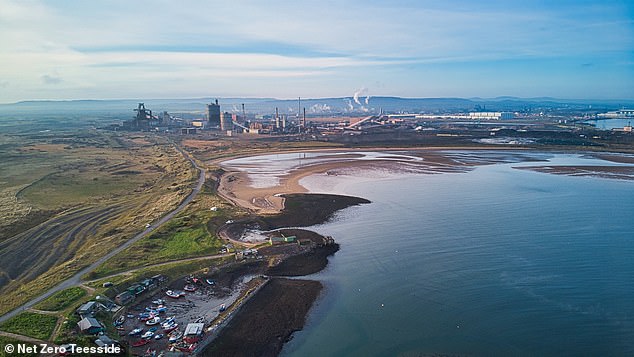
[213, 115]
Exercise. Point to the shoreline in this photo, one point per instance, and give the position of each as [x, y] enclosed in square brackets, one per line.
[271, 201]
[268, 317]
[235, 186]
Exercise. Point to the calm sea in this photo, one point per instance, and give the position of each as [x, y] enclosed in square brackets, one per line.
[609, 124]
[493, 262]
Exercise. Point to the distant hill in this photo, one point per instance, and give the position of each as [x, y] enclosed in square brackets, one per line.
[324, 106]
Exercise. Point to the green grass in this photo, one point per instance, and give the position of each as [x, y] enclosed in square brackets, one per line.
[177, 270]
[31, 324]
[6, 341]
[185, 236]
[62, 299]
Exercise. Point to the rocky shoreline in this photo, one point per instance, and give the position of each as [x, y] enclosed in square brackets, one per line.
[279, 308]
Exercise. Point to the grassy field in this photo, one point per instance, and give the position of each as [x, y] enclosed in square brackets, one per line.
[31, 324]
[62, 299]
[191, 234]
[88, 191]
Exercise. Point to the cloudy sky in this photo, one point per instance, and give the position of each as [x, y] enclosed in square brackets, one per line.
[285, 49]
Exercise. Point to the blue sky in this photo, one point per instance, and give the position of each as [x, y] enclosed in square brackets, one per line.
[286, 49]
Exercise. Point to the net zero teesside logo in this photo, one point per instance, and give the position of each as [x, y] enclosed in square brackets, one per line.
[21, 348]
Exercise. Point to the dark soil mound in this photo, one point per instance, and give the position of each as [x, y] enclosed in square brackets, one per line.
[302, 210]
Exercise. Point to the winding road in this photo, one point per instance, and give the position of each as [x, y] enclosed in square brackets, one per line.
[76, 279]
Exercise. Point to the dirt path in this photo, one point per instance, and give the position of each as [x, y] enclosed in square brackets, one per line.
[76, 279]
[44, 312]
[15, 336]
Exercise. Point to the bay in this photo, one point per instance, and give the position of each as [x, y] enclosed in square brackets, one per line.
[491, 262]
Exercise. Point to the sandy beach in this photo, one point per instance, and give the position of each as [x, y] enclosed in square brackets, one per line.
[237, 187]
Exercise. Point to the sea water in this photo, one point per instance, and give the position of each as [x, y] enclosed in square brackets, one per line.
[492, 262]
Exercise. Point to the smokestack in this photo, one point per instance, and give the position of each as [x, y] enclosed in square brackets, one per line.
[299, 106]
[277, 119]
[244, 114]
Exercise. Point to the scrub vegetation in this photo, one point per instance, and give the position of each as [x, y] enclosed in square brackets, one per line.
[31, 324]
[62, 299]
[68, 197]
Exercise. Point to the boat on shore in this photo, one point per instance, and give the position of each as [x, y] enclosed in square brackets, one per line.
[170, 328]
[173, 294]
[140, 342]
[153, 321]
[175, 336]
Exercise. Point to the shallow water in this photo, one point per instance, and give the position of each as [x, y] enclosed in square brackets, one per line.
[491, 262]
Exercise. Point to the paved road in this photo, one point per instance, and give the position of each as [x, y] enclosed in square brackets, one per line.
[76, 279]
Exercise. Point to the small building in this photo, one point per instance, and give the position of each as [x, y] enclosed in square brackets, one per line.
[193, 332]
[124, 298]
[304, 241]
[87, 309]
[136, 289]
[89, 325]
[149, 284]
[104, 341]
[276, 240]
[188, 131]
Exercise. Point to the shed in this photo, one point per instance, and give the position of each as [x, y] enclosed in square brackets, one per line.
[304, 241]
[104, 340]
[89, 325]
[87, 309]
[124, 298]
[193, 332]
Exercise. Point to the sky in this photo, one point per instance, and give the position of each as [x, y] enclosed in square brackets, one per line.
[311, 49]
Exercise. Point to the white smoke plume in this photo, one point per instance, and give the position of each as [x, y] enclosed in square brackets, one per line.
[358, 93]
[349, 102]
[319, 108]
[367, 100]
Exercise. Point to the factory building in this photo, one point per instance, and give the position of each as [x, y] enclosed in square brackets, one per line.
[213, 114]
[226, 121]
[617, 114]
[491, 115]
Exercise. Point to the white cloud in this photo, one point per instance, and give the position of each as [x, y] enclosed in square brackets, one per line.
[337, 44]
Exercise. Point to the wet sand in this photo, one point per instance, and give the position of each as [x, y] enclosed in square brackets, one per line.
[611, 172]
[237, 187]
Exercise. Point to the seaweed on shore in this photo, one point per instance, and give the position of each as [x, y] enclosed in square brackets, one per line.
[307, 209]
